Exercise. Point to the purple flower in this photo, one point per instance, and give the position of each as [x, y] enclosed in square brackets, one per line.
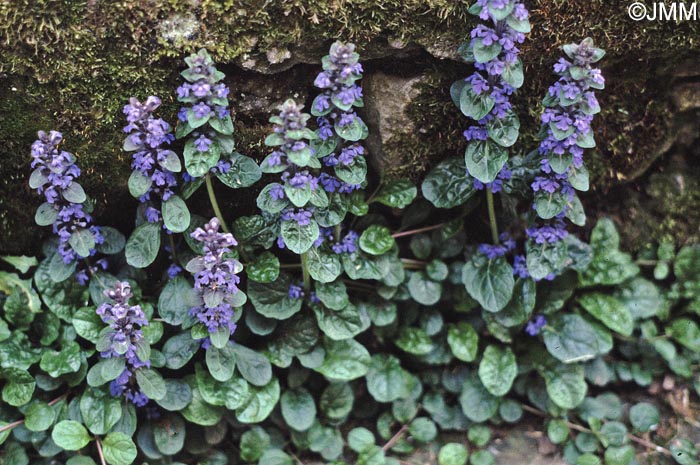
[173, 270]
[57, 173]
[346, 245]
[125, 322]
[520, 267]
[548, 233]
[338, 80]
[202, 143]
[125, 337]
[295, 292]
[215, 278]
[488, 77]
[277, 192]
[148, 135]
[302, 217]
[201, 110]
[534, 327]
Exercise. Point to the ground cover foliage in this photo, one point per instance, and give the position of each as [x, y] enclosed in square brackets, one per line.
[349, 320]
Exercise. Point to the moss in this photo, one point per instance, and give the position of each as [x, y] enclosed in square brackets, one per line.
[75, 62]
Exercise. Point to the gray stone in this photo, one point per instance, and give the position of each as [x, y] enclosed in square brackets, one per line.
[387, 99]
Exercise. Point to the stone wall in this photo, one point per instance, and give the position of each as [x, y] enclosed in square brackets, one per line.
[71, 65]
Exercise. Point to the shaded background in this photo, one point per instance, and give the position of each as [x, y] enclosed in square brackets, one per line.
[71, 65]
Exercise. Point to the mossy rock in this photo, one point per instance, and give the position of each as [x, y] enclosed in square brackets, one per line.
[72, 64]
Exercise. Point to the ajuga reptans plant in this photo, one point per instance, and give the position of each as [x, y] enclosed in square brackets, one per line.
[347, 319]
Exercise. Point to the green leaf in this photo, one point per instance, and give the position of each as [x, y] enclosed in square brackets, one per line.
[299, 239]
[513, 73]
[82, 241]
[610, 311]
[264, 269]
[179, 349]
[498, 369]
[151, 383]
[46, 214]
[477, 403]
[260, 403]
[386, 380]
[546, 259]
[177, 395]
[175, 301]
[254, 442]
[360, 439]
[39, 416]
[414, 341]
[298, 409]
[505, 131]
[463, 341]
[362, 266]
[199, 412]
[484, 160]
[337, 401]
[489, 282]
[642, 298]
[143, 245]
[199, 163]
[267, 203]
[557, 431]
[566, 385]
[19, 386]
[139, 184]
[424, 290]
[448, 184]
[272, 300]
[339, 324]
[323, 266]
[74, 193]
[60, 363]
[21, 263]
[376, 240]
[644, 417]
[571, 339]
[254, 367]
[354, 173]
[609, 266]
[70, 435]
[113, 241]
[684, 452]
[397, 194]
[345, 360]
[550, 205]
[118, 449]
[686, 332]
[169, 434]
[476, 106]
[275, 457]
[453, 453]
[100, 412]
[423, 430]
[333, 295]
[176, 215]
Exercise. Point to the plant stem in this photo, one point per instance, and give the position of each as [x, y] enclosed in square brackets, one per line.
[9, 426]
[395, 438]
[492, 216]
[583, 429]
[417, 231]
[214, 203]
[305, 271]
[99, 451]
[172, 247]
